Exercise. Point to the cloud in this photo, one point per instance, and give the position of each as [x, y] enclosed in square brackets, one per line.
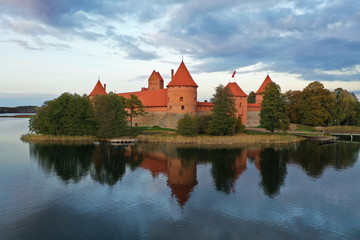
[295, 38]
[313, 38]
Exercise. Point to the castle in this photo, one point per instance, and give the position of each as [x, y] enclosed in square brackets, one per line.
[165, 106]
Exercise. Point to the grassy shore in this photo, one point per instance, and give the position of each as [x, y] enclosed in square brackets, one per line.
[39, 138]
[339, 129]
[236, 140]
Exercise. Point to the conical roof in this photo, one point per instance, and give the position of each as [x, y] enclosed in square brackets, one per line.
[236, 90]
[98, 89]
[182, 77]
[264, 84]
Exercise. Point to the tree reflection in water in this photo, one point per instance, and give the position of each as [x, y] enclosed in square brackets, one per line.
[69, 162]
[273, 170]
[107, 164]
[315, 158]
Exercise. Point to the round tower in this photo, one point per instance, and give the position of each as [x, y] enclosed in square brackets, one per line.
[182, 92]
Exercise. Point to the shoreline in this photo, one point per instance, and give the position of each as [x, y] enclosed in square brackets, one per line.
[174, 139]
[17, 116]
[235, 140]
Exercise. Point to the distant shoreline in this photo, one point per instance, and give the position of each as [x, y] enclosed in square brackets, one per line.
[17, 116]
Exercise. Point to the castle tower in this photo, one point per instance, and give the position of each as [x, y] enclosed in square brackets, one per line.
[241, 103]
[260, 92]
[99, 89]
[182, 92]
[155, 81]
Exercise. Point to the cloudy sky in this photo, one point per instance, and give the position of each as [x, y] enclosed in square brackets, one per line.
[53, 46]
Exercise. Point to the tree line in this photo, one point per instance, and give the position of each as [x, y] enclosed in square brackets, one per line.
[314, 105]
[104, 116]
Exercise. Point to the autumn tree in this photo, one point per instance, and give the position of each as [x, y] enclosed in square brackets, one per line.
[273, 114]
[316, 104]
[223, 121]
[346, 110]
[252, 97]
[292, 102]
[134, 107]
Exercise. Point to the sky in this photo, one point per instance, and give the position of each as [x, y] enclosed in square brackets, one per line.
[53, 46]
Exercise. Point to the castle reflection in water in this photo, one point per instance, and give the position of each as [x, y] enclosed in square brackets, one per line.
[108, 164]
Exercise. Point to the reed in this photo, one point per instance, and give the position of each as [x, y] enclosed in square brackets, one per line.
[52, 138]
[239, 139]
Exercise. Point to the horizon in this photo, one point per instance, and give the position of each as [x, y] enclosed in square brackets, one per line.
[51, 47]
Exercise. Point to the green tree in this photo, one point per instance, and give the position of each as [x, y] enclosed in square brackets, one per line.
[273, 114]
[292, 102]
[134, 107]
[111, 115]
[187, 126]
[202, 122]
[69, 114]
[346, 107]
[252, 97]
[316, 104]
[223, 121]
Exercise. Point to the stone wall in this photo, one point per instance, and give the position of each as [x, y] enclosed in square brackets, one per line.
[169, 120]
[161, 119]
[253, 119]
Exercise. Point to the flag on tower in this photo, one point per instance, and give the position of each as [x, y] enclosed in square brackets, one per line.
[233, 74]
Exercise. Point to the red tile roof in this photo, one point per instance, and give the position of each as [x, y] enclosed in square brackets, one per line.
[154, 98]
[98, 89]
[236, 90]
[182, 77]
[264, 85]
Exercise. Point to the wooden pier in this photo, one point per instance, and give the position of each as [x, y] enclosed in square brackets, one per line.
[121, 141]
[325, 140]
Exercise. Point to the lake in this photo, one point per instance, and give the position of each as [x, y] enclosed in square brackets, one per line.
[144, 191]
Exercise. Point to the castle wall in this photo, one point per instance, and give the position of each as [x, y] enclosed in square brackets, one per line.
[241, 109]
[253, 119]
[155, 109]
[161, 119]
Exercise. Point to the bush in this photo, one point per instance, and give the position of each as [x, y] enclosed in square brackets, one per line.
[202, 122]
[187, 126]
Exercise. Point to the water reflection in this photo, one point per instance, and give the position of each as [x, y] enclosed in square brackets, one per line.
[69, 162]
[273, 170]
[107, 164]
[315, 158]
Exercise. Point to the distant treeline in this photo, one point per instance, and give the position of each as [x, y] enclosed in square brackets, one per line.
[19, 109]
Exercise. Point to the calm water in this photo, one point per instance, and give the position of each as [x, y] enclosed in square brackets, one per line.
[302, 191]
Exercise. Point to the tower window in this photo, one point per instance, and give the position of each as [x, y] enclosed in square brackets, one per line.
[181, 99]
[182, 107]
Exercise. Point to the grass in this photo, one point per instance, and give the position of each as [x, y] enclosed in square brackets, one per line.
[340, 129]
[156, 128]
[305, 128]
[60, 139]
[236, 140]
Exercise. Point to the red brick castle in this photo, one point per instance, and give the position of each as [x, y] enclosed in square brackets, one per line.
[165, 106]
